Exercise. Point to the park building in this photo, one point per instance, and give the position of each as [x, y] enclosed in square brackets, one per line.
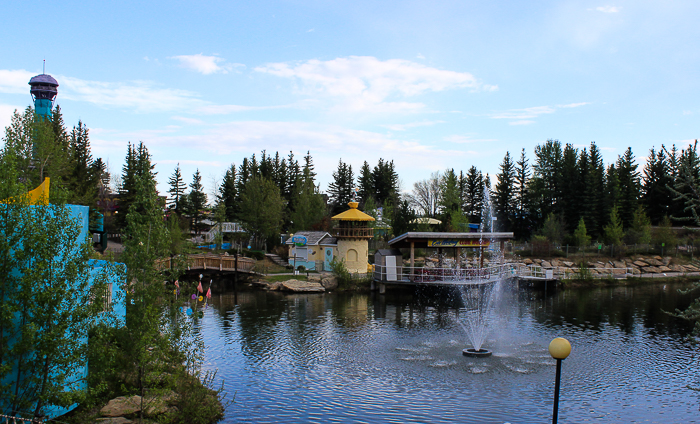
[348, 243]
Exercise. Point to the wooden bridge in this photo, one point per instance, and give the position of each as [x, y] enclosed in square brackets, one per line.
[212, 262]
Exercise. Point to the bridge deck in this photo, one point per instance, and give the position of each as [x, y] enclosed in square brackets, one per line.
[211, 262]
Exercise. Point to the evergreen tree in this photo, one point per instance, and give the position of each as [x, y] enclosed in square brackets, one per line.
[197, 200]
[545, 187]
[340, 189]
[581, 236]
[504, 199]
[177, 190]
[83, 179]
[385, 182]
[614, 231]
[687, 185]
[640, 231]
[402, 217]
[571, 194]
[630, 186]
[656, 196]
[228, 195]
[474, 201]
[365, 184]
[310, 209]
[593, 205]
[522, 200]
[449, 203]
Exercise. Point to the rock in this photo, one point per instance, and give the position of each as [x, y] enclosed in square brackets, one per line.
[640, 264]
[664, 269]
[651, 270]
[636, 271]
[557, 263]
[527, 261]
[619, 271]
[608, 266]
[677, 268]
[537, 261]
[113, 420]
[658, 258]
[546, 264]
[315, 278]
[568, 264]
[122, 405]
[298, 286]
[619, 264]
[666, 260]
[654, 262]
[330, 283]
[690, 268]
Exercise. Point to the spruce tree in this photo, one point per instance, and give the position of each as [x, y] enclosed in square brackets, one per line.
[340, 190]
[656, 180]
[228, 195]
[177, 191]
[522, 200]
[504, 199]
[365, 184]
[197, 200]
[630, 186]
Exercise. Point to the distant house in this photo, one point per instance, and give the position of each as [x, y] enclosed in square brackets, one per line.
[314, 250]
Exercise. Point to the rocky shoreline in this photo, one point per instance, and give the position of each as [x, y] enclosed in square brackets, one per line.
[637, 265]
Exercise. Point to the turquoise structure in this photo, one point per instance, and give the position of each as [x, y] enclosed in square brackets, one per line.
[44, 89]
[76, 380]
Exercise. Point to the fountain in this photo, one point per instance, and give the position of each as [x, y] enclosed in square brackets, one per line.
[479, 297]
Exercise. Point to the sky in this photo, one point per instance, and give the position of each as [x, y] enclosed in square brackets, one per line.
[430, 85]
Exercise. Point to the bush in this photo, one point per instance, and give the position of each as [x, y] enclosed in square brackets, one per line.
[346, 280]
[301, 268]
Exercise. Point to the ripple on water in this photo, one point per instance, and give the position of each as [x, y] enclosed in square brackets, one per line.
[478, 370]
[443, 364]
[417, 358]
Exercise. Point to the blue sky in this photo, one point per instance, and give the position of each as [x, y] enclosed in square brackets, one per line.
[430, 85]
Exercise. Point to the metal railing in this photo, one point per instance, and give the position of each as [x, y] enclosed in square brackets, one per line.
[454, 275]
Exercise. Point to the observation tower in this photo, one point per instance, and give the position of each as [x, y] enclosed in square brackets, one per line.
[44, 90]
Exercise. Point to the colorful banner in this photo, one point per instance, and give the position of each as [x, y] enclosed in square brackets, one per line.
[459, 243]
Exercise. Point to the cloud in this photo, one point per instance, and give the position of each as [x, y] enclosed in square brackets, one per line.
[570, 105]
[226, 109]
[525, 116]
[206, 64]
[404, 127]
[15, 81]
[367, 84]
[6, 112]
[142, 96]
[527, 113]
[186, 120]
[608, 9]
[687, 112]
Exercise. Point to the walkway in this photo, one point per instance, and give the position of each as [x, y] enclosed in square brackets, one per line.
[212, 262]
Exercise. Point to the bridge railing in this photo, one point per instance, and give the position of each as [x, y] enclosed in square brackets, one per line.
[207, 261]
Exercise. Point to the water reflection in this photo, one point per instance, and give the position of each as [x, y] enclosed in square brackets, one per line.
[397, 357]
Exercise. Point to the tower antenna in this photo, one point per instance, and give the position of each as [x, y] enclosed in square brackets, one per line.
[44, 70]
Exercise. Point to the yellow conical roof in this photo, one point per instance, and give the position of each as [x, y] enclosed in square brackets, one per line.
[353, 214]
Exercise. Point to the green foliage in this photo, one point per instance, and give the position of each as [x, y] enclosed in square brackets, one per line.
[613, 231]
[197, 201]
[664, 234]
[340, 190]
[261, 209]
[581, 236]
[504, 195]
[554, 228]
[177, 190]
[640, 231]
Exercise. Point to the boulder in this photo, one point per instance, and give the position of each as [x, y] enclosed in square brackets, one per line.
[653, 261]
[557, 263]
[651, 270]
[619, 264]
[537, 261]
[636, 271]
[666, 260]
[527, 261]
[640, 264]
[664, 269]
[545, 264]
[658, 258]
[690, 268]
[123, 405]
[677, 268]
[330, 282]
[298, 286]
[316, 278]
[608, 265]
[619, 271]
[567, 264]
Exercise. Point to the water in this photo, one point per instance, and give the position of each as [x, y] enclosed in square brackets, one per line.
[397, 358]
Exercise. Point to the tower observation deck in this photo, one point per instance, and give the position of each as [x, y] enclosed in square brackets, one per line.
[44, 89]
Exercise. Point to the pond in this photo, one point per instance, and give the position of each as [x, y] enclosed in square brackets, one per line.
[397, 358]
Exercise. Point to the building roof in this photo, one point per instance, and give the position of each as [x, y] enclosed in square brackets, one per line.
[353, 214]
[314, 238]
[44, 79]
[420, 239]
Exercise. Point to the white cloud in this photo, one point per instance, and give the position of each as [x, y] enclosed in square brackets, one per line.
[527, 113]
[570, 105]
[687, 112]
[206, 64]
[15, 81]
[367, 84]
[186, 120]
[404, 127]
[227, 109]
[608, 9]
[521, 122]
[142, 96]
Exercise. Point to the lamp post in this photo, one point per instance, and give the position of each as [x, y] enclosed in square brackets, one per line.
[559, 348]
